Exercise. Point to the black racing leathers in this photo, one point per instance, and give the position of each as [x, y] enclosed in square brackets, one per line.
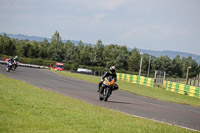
[16, 59]
[107, 74]
[11, 60]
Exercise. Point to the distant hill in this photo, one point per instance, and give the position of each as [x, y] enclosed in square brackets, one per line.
[33, 38]
[171, 54]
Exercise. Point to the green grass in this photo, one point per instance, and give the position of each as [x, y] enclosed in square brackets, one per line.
[151, 92]
[24, 108]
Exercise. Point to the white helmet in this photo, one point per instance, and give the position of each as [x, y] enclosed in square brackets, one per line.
[112, 69]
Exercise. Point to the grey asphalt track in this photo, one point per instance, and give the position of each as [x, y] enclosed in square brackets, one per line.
[181, 115]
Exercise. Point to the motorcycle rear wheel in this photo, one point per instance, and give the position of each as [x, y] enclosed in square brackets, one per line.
[13, 68]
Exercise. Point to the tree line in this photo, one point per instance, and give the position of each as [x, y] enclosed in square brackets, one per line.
[97, 55]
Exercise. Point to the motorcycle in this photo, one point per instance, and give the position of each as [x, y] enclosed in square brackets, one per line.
[106, 88]
[9, 66]
[14, 66]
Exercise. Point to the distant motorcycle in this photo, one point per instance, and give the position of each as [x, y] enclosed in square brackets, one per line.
[106, 88]
[9, 66]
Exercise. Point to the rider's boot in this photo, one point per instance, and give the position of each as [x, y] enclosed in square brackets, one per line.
[100, 83]
[98, 88]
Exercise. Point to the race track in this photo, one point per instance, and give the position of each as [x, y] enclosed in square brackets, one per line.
[181, 115]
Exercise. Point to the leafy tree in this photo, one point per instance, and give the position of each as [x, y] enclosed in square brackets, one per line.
[69, 52]
[31, 52]
[121, 60]
[85, 58]
[7, 45]
[145, 63]
[9, 48]
[97, 55]
[134, 60]
[33, 49]
[55, 51]
[1, 45]
[43, 49]
[165, 63]
[189, 62]
[110, 54]
[176, 67]
[98, 58]
[77, 55]
[56, 38]
[162, 63]
[23, 49]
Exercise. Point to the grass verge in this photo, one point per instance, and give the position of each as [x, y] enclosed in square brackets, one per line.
[24, 108]
[151, 92]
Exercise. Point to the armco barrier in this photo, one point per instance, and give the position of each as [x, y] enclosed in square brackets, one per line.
[182, 89]
[136, 79]
[27, 65]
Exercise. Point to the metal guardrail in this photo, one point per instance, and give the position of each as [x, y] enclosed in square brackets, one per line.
[27, 65]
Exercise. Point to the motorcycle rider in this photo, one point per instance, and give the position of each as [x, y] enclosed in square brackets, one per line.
[107, 74]
[15, 60]
[11, 60]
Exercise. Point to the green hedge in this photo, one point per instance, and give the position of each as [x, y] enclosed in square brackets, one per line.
[36, 61]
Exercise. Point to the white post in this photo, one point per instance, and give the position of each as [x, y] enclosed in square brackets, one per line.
[187, 75]
[155, 76]
[164, 78]
[149, 65]
[140, 64]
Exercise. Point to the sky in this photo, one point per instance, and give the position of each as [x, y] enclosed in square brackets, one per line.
[145, 24]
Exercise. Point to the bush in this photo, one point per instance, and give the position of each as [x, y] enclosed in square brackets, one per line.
[40, 61]
[83, 66]
[5, 56]
[67, 66]
[48, 62]
[34, 61]
[75, 66]
[25, 60]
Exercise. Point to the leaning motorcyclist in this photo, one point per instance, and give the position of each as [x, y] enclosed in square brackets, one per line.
[15, 60]
[11, 60]
[107, 74]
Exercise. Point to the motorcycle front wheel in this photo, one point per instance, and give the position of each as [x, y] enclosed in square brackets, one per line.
[101, 94]
[106, 94]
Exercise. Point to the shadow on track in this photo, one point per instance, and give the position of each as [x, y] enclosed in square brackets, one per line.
[119, 102]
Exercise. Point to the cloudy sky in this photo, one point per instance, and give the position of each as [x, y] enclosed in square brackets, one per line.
[147, 24]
